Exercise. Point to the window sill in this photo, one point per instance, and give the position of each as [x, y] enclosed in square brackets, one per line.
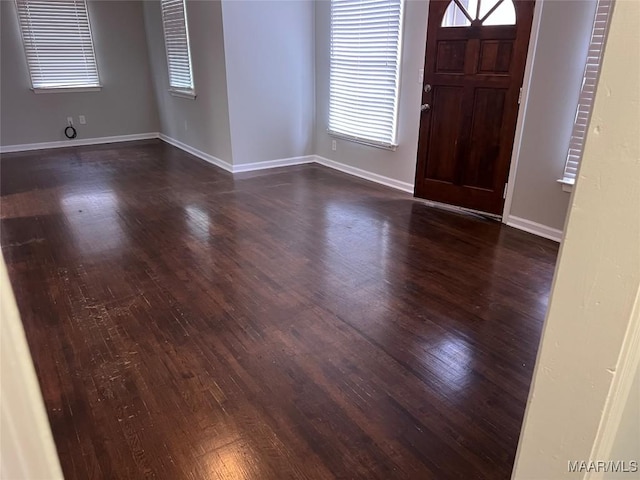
[567, 184]
[363, 141]
[92, 88]
[190, 94]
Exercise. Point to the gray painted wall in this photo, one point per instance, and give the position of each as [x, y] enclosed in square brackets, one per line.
[401, 164]
[202, 123]
[558, 67]
[269, 52]
[125, 105]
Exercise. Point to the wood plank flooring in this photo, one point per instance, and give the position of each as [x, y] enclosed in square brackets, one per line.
[290, 323]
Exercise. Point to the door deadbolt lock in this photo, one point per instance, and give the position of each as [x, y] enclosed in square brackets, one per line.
[427, 88]
[425, 107]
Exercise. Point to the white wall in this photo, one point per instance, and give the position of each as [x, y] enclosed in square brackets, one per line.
[626, 442]
[269, 53]
[202, 123]
[401, 164]
[27, 450]
[557, 67]
[591, 338]
[125, 105]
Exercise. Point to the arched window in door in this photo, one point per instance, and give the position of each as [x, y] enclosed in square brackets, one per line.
[462, 13]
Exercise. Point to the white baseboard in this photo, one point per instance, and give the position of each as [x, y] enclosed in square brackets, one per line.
[281, 162]
[77, 142]
[513, 221]
[286, 162]
[244, 167]
[197, 153]
[357, 172]
[535, 228]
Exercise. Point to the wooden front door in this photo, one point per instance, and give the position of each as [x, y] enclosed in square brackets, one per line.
[473, 70]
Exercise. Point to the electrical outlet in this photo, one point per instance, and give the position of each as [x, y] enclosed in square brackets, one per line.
[83, 120]
[69, 120]
[333, 145]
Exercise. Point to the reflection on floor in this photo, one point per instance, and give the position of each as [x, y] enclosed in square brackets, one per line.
[292, 323]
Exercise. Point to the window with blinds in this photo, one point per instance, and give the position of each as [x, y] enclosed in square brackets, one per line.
[588, 90]
[58, 44]
[176, 40]
[364, 70]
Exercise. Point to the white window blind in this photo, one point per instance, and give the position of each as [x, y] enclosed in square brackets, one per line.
[588, 90]
[176, 40]
[58, 43]
[364, 70]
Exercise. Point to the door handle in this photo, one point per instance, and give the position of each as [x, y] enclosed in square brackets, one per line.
[427, 88]
[425, 107]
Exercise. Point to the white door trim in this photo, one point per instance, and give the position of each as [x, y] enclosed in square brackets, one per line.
[526, 84]
[27, 449]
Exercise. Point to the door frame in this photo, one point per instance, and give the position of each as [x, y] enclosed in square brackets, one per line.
[524, 100]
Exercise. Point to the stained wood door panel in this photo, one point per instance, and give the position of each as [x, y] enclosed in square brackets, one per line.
[484, 138]
[448, 115]
[495, 57]
[451, 57]
[473, 76]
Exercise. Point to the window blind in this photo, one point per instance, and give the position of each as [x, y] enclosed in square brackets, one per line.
[364, 70]
[58, 43]
[176, 39]
[588, 90]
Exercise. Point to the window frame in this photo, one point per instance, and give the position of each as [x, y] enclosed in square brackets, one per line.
[189, 93]
[90, 87]
[586, 99]
[480, 16]
[361, 139]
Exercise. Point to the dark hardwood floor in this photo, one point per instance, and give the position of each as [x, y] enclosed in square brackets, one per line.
[290, 323]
